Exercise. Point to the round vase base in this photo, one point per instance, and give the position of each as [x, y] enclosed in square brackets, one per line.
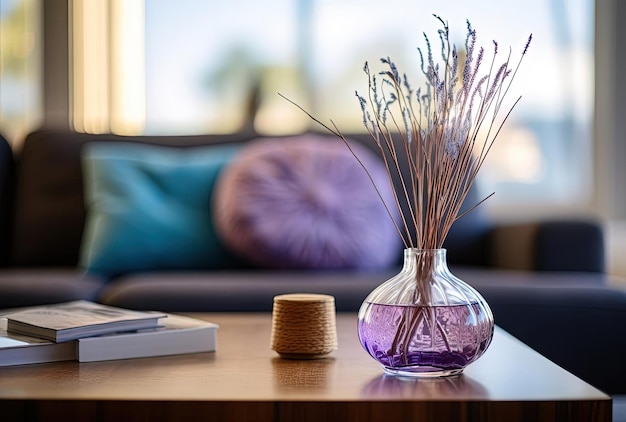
[422, 372]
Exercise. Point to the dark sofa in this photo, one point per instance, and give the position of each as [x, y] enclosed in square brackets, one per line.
[545, 281]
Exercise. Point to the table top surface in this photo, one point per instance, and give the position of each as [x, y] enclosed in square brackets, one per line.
[244, 368]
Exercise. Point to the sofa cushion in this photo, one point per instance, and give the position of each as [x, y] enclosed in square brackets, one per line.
[254, 290]
[237, 291]
[7, 195]
[148, 208]
[306, 202]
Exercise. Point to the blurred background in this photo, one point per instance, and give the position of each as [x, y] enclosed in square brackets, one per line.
[208, 66]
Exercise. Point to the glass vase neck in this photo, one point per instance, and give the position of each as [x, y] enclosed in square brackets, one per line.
[420, 260]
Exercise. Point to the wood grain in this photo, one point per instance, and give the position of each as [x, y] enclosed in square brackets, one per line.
[246, 380]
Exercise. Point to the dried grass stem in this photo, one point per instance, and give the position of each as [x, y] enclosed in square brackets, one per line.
[433, 141]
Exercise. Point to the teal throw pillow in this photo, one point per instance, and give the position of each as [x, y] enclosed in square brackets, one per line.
[148, 207]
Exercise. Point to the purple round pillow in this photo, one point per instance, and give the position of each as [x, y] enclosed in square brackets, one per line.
[306, 202]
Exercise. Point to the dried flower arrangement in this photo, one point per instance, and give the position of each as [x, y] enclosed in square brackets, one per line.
[433, 142]
[446, 131]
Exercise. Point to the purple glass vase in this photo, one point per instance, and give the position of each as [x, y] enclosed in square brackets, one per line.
[424, 321]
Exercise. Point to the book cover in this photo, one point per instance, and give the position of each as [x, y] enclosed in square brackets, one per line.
[178, 335]
[73, 320]
[17, 349]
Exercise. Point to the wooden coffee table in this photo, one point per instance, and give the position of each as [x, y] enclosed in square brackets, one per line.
[245, 380]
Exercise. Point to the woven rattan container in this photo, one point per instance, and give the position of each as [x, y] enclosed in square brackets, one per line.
[304, 326]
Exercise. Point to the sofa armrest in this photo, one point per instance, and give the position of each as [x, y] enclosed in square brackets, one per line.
[7, 192]
[564, 245]
[577, 327]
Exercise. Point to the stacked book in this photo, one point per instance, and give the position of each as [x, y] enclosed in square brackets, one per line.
[90, 332]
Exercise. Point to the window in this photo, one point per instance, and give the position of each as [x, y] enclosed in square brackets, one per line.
[227, 56]
[210, 66]
[20, 68]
